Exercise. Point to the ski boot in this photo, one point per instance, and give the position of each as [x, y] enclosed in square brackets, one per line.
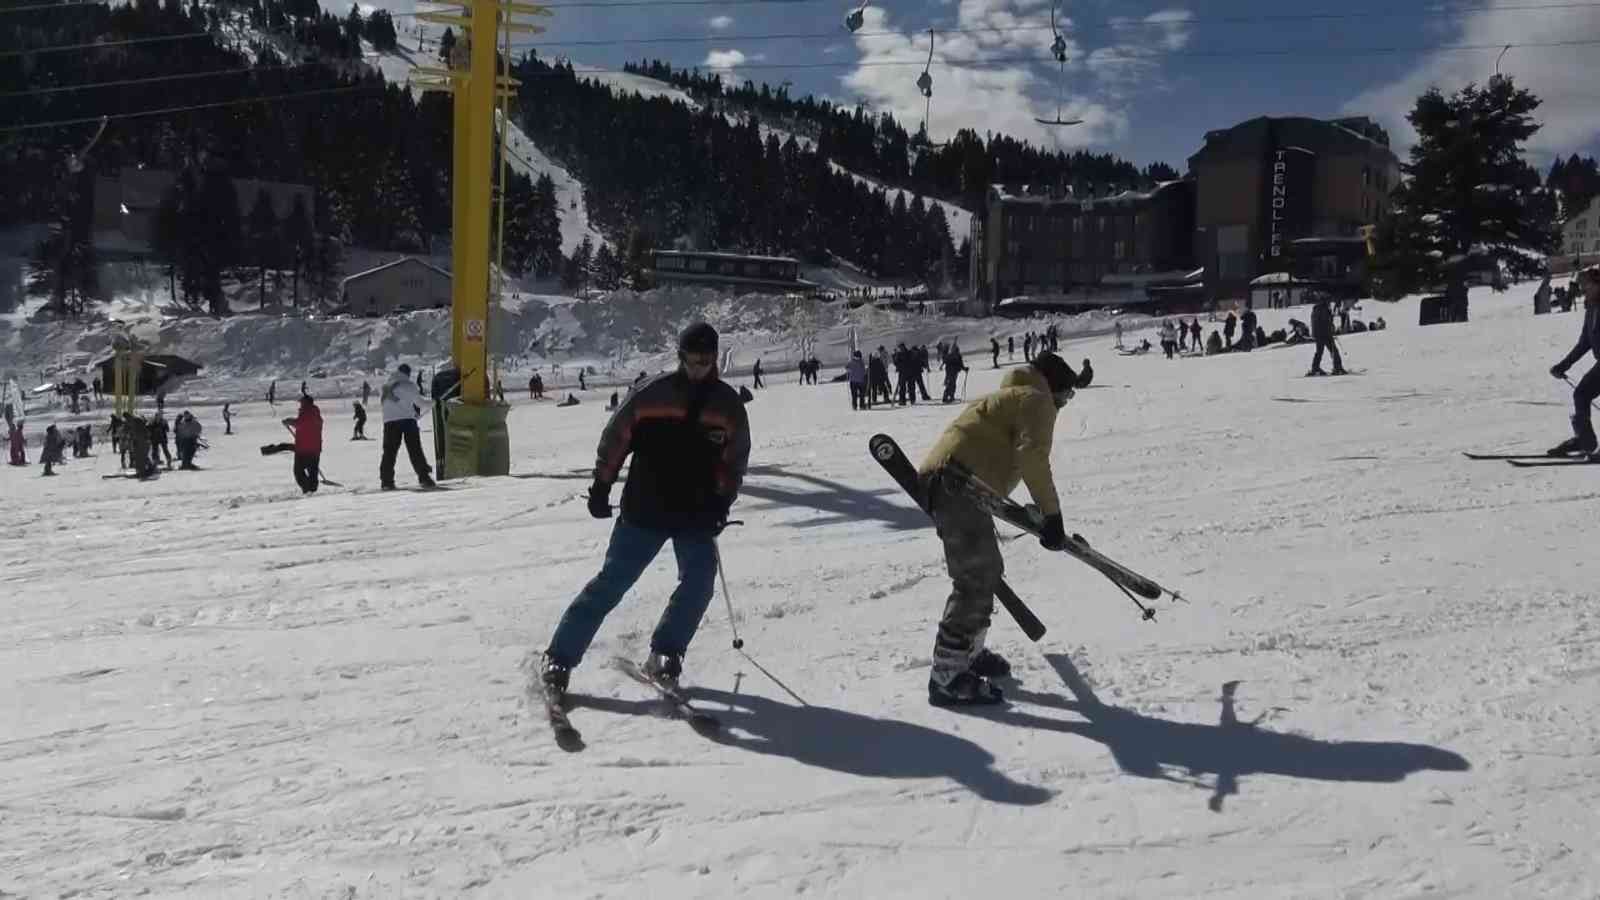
[966, 689]
[1572, 446]
[1316, 372]
[663, 667]
[554, 677]
[988, 664]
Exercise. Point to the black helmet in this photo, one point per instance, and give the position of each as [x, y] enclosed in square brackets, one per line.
[698, 338]
[1056, 372]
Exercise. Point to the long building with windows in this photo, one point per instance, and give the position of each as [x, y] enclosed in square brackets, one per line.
[1081, 247]
[1271, 210]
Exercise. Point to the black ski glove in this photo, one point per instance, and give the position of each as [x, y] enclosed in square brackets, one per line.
[1054, 534]
[1559, 371]
[722, 519]
[600, 500]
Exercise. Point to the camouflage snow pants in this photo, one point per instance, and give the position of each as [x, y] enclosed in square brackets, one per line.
[972, 557]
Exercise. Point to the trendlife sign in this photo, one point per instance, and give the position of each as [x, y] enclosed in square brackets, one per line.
[1288, 195]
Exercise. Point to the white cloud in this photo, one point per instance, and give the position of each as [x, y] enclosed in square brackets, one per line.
[725, 59]
[1007, 96]
[721, 23]
[1561, 76]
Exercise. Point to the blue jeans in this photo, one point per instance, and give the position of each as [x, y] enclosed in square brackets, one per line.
[631, 550]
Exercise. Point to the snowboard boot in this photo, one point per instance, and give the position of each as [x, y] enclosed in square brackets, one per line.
[988, 664]
[966, 689]
[427, 483]
[663, 667]
[554, 677]
[1316, 372]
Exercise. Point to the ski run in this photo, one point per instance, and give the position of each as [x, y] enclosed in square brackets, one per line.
[1383, 683]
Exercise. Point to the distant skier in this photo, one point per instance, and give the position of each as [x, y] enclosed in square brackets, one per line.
[1247, 330]
[51, 454]
[227, 418]
[755, 373]
[1322, 333]
[582, 384]
[1588, 387]
[953, 367]
[360, 434]
[994, 352]
[158, 440]
[402, 404]
[855, 374]
[366, 392]
[1227, 330]
[1118, 326]
[1085, 375]
[1002, 438]
[186, 430]
[272, 394]
[307, 428]
[1011, 347]
[690, 441]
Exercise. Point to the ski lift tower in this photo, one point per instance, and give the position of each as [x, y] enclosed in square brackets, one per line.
[476, 442]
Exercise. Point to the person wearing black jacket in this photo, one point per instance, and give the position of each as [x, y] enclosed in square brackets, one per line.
[1322, 333]
[690, 441]
[1588, 387]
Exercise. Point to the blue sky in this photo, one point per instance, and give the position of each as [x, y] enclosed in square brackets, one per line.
[1149, 79]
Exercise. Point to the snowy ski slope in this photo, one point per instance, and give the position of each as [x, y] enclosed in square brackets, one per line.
[1384, 685]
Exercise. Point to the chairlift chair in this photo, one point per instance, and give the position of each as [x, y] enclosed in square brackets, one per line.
[855, 19]
[925, 85]
[1058, 48]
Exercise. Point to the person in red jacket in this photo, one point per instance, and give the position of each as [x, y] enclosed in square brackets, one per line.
[307, 428]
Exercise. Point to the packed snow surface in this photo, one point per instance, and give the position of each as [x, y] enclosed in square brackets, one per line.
[1383, 683]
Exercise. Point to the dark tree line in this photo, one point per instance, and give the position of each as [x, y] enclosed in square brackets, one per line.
[378, 161]
[1576, 180]
[667, 172]
[879, 146]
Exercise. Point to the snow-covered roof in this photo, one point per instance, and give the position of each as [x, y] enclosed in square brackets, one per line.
[719, 254]
[404, 259]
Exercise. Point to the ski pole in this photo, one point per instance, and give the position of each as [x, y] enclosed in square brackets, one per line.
[733, 625]
[1575, 387]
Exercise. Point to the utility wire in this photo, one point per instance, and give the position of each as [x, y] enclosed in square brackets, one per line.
[729, 38]
[971, 62]
[97, 45]
[977, 62]
[271, 98]
[90, 85]
[1073, 26]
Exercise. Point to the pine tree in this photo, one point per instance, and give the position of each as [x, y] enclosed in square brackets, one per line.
[261, 229]
[165, 239]
[218, 228]
[297, 242]
[545, 228]
[327, 246]
[518, 254]
[607, 269]
[1468, 201]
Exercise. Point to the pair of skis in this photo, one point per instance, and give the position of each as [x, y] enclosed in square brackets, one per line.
[894, 461]
[1536, 460]
[568, 737]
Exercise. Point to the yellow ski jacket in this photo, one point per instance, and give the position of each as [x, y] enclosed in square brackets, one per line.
[1004, 438]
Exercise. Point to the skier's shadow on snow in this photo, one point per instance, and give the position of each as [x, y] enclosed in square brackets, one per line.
[1155, 748]
[840, 502]
[848, 742]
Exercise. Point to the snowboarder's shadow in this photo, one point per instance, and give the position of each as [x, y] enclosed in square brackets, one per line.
[1157, 748]
[842, 502]
[846, 742]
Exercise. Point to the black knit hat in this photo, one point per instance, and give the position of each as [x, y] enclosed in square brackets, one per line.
[698, 338]
[1056, 372]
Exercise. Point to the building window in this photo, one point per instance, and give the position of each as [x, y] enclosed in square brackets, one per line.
[1581, 226]
[1119, 249]
[1366, 176]
[1100, 224]
[1077, 225]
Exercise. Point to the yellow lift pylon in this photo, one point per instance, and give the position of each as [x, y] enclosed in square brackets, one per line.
[476, 441]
